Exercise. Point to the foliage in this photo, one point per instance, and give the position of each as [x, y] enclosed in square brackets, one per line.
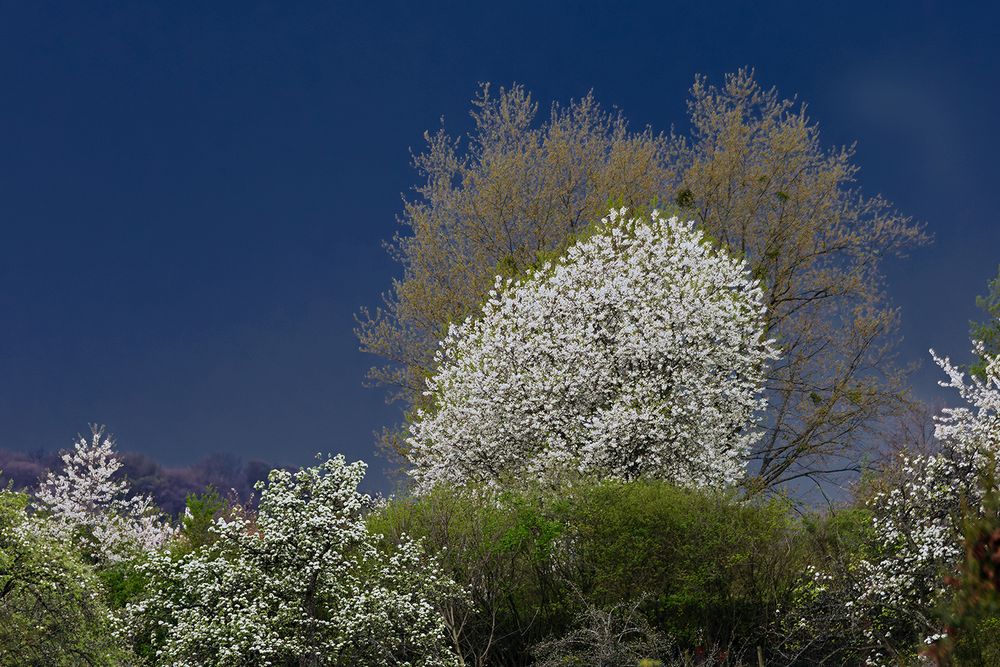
[891, 591]
[972, 616]
[638, 354]
[91, 504]
[709, 569]
[759, 181]
[51, 611]
[301, 583]
[499, 548]
[819, 625]
[516, 188]
[200, 514]
[715, 568]
[988, 332]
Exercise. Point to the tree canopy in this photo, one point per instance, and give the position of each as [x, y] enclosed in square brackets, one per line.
[754, 175]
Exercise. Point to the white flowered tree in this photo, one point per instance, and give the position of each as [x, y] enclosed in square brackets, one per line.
[639, 353]
[90, 502]
[304, 582]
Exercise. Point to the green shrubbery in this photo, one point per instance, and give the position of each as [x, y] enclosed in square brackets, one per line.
[704, 568]
[52, 611]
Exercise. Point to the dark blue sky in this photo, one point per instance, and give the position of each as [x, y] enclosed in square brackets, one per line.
[192, 195]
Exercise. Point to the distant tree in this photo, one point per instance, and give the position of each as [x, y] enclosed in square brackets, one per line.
[638, 354]
[199, 516]
[987, 333]
[303, 582]
[51, 608]
[752, 173]
[89, 502]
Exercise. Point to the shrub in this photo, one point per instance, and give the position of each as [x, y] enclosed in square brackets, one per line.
[51, 610]
[709, 568]
[303, 583]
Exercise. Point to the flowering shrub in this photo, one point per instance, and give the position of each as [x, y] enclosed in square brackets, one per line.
[891, 595]
[90, 503]
[637, 354]
[919, 523]
[303, 583]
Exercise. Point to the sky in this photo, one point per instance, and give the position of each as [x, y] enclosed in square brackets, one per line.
[193, 196]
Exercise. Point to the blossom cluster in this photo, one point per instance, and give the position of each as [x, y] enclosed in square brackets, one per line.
[303, 581]
[89, 502]
[918, 524]
[639, 353]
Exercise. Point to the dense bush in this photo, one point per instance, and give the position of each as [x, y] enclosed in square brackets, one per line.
[705, 567]
[302, 582]
[714, 567]
[51, 607]
[501, 549]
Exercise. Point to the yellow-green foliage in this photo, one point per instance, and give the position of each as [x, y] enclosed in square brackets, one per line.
[709, 567]
[51, 610]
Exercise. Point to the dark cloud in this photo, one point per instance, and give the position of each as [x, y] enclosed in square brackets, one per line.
[192, 201]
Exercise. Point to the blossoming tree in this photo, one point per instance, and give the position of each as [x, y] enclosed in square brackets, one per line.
[303, 583]
[639, 353]
[90, 503]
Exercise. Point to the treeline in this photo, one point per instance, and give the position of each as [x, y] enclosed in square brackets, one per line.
[169, 486]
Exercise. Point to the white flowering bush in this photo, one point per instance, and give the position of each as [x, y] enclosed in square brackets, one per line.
[639, 353]
[302, 583]
[90, 503]
[892, 596]
[919, 522]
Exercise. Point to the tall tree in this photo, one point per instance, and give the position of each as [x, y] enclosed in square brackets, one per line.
[638, 354]
[752, 173]
[516, 188]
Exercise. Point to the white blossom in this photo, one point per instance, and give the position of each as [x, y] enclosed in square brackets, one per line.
[639, 353]
[302, 583]
[90, 503]
[917, 522]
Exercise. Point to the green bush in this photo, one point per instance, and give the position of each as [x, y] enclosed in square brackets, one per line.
[709, 567]
[51, 608]
[501, 549]
[715, 567]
